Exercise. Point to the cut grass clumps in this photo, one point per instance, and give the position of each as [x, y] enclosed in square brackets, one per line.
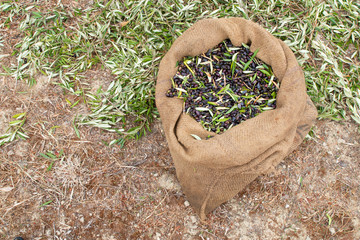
[325, 38]
[129, 37]
[126, 37]
[64, 43]
[15, 130]
[224, 86]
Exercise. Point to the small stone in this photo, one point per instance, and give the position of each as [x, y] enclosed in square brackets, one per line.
[343, 164]
[332, 231]
[193, 219]
[186, 203]
[287, 206]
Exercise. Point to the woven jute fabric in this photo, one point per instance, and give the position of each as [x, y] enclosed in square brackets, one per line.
[213, 171]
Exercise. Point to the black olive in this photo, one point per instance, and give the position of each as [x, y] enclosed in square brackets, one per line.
[200, 91]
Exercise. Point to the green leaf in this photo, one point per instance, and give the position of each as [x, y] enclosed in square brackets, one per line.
[37, 14]
[50, 166]
[224, 89]
[196, 136]
[68, 101]
[19, 115]
[231, 109]
[202, 109]
[76, 129]
[75, 104]
[44, 155]
[46, 203]
[223, 119]
[22, 135]
[16, 122]
[133, 130]
[213, 103]
[251, 59]
[51, 155]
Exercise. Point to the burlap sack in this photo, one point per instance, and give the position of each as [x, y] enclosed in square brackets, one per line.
[213, 171]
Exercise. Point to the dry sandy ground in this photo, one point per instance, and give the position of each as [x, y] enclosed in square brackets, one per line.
[97, 192]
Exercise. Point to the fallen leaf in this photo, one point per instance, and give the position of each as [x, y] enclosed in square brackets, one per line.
[6, 189]
[196, 136]
[123, 24]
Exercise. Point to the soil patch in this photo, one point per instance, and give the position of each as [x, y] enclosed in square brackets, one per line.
[100, 192]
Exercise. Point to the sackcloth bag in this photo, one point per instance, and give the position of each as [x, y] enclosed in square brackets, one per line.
[213, 171]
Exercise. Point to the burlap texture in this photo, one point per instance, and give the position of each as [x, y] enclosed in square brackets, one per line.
[215, 170]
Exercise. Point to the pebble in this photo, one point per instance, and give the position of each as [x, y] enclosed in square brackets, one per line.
[186, 203]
